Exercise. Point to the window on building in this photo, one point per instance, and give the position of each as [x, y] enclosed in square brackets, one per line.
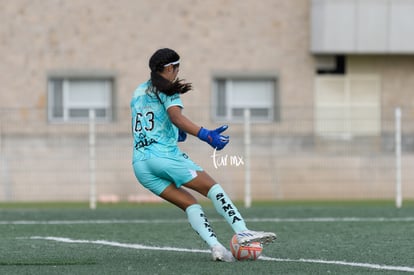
[70, 99]
[330, 64]
[348, 106]
[231, 95]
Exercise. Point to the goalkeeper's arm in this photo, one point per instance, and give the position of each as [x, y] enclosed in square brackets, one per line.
[212, 137]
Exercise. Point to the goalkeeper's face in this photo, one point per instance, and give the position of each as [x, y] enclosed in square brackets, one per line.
[171, 72]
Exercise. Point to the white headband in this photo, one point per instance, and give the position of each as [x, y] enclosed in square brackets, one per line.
[172, 63]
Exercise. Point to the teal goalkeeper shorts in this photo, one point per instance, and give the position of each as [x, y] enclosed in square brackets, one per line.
[157, 173]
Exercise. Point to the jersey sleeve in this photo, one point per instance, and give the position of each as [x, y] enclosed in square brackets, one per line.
[174, 100]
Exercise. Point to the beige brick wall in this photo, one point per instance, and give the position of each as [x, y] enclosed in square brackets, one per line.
[47, 35]
[39, 37]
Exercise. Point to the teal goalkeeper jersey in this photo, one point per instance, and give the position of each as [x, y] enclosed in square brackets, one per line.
[154, 133]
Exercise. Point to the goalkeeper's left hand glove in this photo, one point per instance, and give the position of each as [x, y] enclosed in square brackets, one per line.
[214, 137]
[182, 136]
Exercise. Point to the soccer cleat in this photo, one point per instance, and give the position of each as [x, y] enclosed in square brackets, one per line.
[249, 236]
[220, 253]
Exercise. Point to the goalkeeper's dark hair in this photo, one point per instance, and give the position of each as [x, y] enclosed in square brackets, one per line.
[156, 63]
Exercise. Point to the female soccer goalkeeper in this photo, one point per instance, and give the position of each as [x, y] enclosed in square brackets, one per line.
[161, 167]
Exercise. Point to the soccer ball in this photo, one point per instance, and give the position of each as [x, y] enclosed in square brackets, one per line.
[251, 251]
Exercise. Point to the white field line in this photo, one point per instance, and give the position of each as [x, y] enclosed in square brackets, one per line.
[117, 244]
[175, 249]
[366, 265]
[157, 221]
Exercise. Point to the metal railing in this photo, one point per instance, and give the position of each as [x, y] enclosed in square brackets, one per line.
[285, 160]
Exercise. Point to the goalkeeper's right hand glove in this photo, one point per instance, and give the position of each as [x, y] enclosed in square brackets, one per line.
[214, 137]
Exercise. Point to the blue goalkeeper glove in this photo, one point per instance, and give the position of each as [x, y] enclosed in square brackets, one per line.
[214, 137]
[182, 136]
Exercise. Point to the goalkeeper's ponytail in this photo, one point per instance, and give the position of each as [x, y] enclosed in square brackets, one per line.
[157, 64]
